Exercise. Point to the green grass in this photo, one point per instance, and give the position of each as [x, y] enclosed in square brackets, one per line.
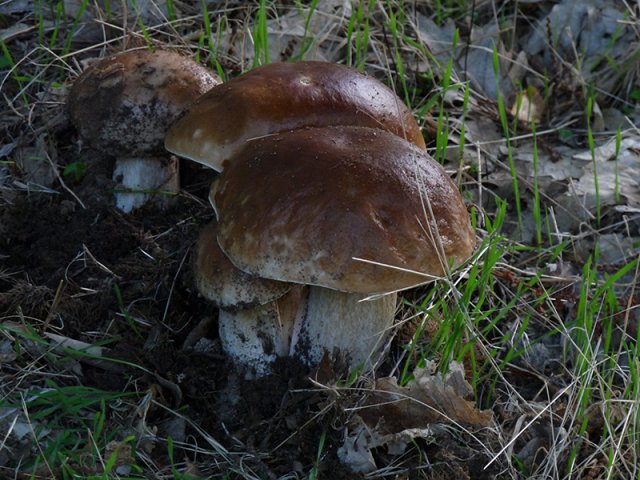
[21, 80]
[143, 28]
[617, 155]
[125, 312]
[212, 46]
[592, 148]
[358, 34]
[307, 40]
[314, 473]
[537, 216]
[260, 36]
[76, 416]
[396, 20]
[507, 134]
[442, 135]
[70, 425]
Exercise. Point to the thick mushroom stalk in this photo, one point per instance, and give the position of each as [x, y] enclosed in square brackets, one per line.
[348, 328]
[256, 337]
[261, 319]
[138, 180]
[328, 197]
[123, 105]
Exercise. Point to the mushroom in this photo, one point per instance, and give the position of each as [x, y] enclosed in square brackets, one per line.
[256, 315]
[283, 96]
[350, 212]
[123, 105]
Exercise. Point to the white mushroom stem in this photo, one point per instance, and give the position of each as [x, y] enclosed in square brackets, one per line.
[140, 180]
[255, 337]
[350, 330]
[309, 322]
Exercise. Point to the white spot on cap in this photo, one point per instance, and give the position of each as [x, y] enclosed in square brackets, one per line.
[197, 133]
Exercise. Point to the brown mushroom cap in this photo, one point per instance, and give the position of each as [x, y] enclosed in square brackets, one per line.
[124, 104]
[284, 96]
[300, 205]
[218, 280]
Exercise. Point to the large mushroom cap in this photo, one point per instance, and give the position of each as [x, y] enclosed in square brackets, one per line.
[218, 280]
[301, 205]
[124, 104]
[284, 96]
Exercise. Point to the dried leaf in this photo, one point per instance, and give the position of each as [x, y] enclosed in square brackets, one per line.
[475, 60]
[592, 30]
[528, 106]
[622, 175]
[607, 151]
[394, 415]
[428, 399]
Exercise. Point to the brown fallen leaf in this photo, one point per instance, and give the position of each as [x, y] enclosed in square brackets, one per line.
[428, 399]
[528, 106]
[394, 415]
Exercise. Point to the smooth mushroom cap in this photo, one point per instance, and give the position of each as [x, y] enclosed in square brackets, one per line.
[124, 103]
[218, 280]
[285, 96]
[328, 196]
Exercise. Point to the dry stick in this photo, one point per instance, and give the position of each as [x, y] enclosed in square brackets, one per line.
[99, 264]
[96, 449]
[54, 306]
[302, 427]
[218, 447]
[537, 415]
[173, 284]
[78, 345]
[9, 430]
[93, 353]
[524, 136]
[35, 437]
[59, 178]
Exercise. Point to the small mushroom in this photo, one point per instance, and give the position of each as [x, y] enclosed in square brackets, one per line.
[350, 212]
[257, 315]
[123, 105]
[284, 96]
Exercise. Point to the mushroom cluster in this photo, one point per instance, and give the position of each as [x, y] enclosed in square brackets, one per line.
[327, 204]
[123, 105]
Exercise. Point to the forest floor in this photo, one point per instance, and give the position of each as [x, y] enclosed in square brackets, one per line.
[110, 362]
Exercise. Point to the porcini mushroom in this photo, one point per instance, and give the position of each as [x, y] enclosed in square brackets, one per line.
[123, 105]
[257, 315]
[284, 96]
[348, 211]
